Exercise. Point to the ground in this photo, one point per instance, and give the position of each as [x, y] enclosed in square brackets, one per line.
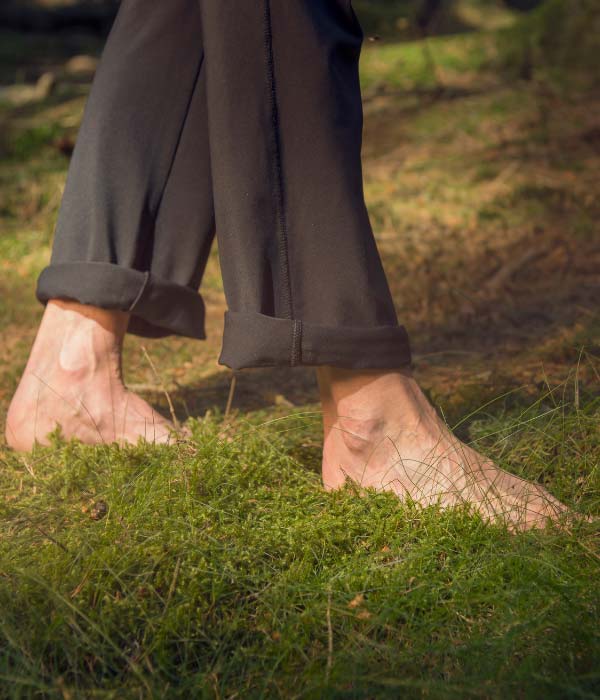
[218, 567]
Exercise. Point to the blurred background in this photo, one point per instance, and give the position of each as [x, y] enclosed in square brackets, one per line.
[481, 159]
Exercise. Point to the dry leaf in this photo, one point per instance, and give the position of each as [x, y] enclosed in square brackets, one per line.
[357, 601]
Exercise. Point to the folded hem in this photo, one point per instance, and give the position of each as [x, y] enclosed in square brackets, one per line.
[256, 340]
[158, 307]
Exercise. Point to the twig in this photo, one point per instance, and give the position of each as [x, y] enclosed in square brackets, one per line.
[150, 388]
[512, 267]
[77, 590]
[231, 394]
[162, 386]
[173, 584]
[52, 539]
[578, 367]
[28, 467]
[329, 637]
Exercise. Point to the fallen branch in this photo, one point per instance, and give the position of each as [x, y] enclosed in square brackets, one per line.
[509, 269]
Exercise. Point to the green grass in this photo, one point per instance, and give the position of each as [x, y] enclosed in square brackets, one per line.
[222, 569]
[414, 65]
[29, 142]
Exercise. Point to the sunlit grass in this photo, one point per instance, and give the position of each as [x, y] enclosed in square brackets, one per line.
[415, 65]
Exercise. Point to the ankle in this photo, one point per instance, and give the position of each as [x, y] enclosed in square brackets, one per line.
[112, 321]
[360, 436]
[366, 396]
[79, 339]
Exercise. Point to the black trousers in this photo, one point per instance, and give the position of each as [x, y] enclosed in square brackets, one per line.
[242, 117]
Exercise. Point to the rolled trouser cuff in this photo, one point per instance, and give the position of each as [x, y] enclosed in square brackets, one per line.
[158, 307]
[256, 340]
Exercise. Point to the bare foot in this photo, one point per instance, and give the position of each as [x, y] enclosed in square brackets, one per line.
[382, 433]
[73, 379]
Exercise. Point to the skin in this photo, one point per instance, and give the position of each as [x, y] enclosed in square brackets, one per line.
[74, 378]
[380, 431]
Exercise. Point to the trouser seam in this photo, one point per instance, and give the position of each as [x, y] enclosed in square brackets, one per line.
[277, 182]
[296, 358]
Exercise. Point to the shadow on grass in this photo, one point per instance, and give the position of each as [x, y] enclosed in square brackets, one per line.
[254, 390]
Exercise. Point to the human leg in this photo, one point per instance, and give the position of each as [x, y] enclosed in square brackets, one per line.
[137, 218]
[301, 271]
[134, 233]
